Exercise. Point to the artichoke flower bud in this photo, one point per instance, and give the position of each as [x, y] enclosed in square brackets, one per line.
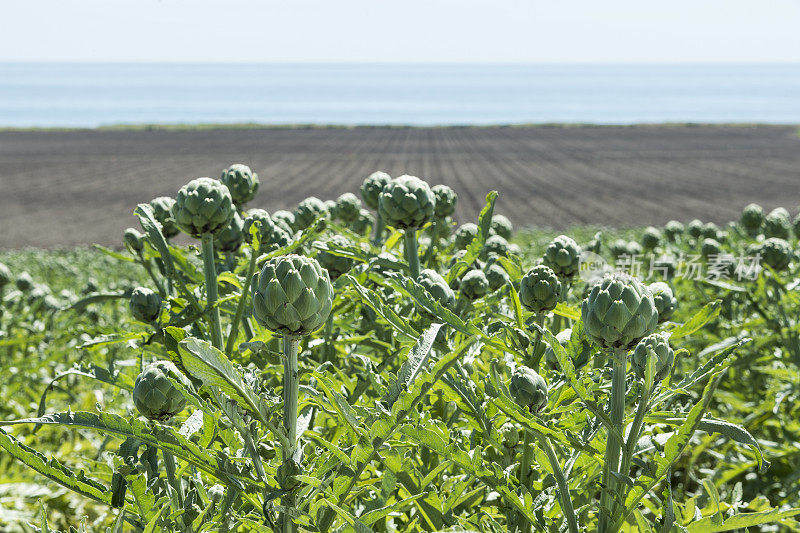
[634, 248]
[241, 182]
[694, 228]
[292, 295]
[216, 493]
[710, 247]
[540, 289]
[332, 209]
[203, 206]
[287, 474]
[710, 230]
[777, 253]
[348, 207]
[162, 212]
[665, 300]
[5, 275]
[308, 211]
[336, 265]
[145, 305]
[619, 312]
[133, 239]
[24, 282]
[270, 234]
[474, 285]
[406, 202]
[500, 225]
[528, 389]
[446, 199]
[651, 238]
[438, 288]
[230, 238]
[563, 337]
[672, 230]
[510, 434]
[619, 247]
[363, 224]
[563, 255]
[496, 276]
[796, 226]
[494, 246]
[657, 346]
[464, 235]
[752, 218]
[372, 188]
[777, 224]
[284, 219]
[154, 395]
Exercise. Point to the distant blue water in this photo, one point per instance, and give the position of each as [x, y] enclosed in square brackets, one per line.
[100, 94]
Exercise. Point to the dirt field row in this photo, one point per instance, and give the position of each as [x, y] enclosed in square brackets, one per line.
[79, 187]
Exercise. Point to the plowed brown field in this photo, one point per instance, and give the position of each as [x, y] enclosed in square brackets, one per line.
[60, 188]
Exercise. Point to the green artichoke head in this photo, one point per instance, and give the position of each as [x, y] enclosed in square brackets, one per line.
[540, 289]
[777, 253]
[336, 265]
[446, 199]
[651, 238]
[673, 230]
[494, 246]
[710, 230]
[464, 235]
[292, 295]
[695, 228]
[439, 290]
[285, 219]
[203, 206]
[372, 188]
[162, 212]
[777, 224]
[230, 238]
[665, 300]
[145, 305]
[348, 207]
[752, 218]
[634, 248]
[563, 255]
[24, 282]
[500, 225]
[271, 235]
[154, 395]
[5, 275]
[619, 247]
[496, 275]
[241, 182]
[308, 211]
[474, 285]
[657, 346]
[619, 312]
[133, 240]
[710, 247]
[406, 202]
[528, 389]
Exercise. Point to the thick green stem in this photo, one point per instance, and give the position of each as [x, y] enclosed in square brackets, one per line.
[635, 431]
[525, 468]
[613, 444]
[291, 345]
[380, 226]
[536, 357]
[210, 271]
[251, 267]
[434, 231]
[412, 254]
[327, 350]
[563, 487]
[169, 464]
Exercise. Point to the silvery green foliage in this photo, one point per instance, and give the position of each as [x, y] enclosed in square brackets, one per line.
[284, 219]
[540, 289]
[710, 247]
[133, 239]
[580, 356]
[372, 187]
[651, 238]
[752, 218]
[446, 199]
[406, 202]
[292, 295]
[665, 300]
[502, 226]
[336, 265]
[348, 207]
[777, 224]
[272, 235]
[496, 276]
[619, 312]
[154, 395]
[203, 206]
[162, 212]
[464, 235]
[5, 275]
[657, 346]
[777, 253]
[24, 282]
[673, 230]
[474, 285]
[438, 288]
[308, 211]
[528, 389]
[494, 246]
[144, 304]
[230, 238]
[241, 182]
[563, 255]
[694, 228]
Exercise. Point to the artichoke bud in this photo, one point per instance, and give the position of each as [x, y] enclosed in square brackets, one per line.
[308, 211]
[287, 474]
[24, 282]
[348, 207]
[496, 276]
[510, 435]
[656, 346]
[563, 255]
[336, 265]
[230, 238]
[162, 212]
[619, 312]
[494, 246]
[406, 202]
[216, 493]
[241, 182]
[464, 235]
[710, 247]
[154, 395]
[372, 188]
[777, 253]
[501, 225]
[528, 389]
[474, 285]
[777, 224]
[752, 218]
[672, 230]
[5, 275]
[133, 239]
[203, 206]
[665, 301]
[446, 199]
[438, 289]
[651, 238]
[144, 304]
[540, 289]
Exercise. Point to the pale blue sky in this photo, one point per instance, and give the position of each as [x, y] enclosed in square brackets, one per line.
[504, 31]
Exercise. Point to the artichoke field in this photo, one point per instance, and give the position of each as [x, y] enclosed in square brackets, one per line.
[333, 368]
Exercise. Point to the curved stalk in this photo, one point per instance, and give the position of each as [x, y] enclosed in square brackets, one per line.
[169, 465]
[291, 345]
[380, 226]
[251, 267]
[524, 470]
[613, 444]
[412, 253]
[563, 487]
[210, 271]
[635, 431]
[537, 342]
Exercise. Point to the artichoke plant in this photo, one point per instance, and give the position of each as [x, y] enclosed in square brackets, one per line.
[500, 225]
[446, 199]
[796, 226]
[494, 246]
[651, 238]
[563, 337]
[348, 207]
[363, 224]
[372, 188]
[752, 219]
[464, 235]
[308, 211]
[5, 275]
[694, 228]
[292, 295]
[777, 224]
[496, 276]
[540, 289]
[474, 285]
[336, 265]
[710, 230]
[528, 389]
[563, 255]
[619, 312]
[162, 212]
[145, 305]
[154, 395]
[203, 207]
[655, 345]
[776, 253]
[241, 182]
[230, 238]
[271, 234]
[710, 247]
[438, 288]
[406, 202]
[673, 230]
[665, 300]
